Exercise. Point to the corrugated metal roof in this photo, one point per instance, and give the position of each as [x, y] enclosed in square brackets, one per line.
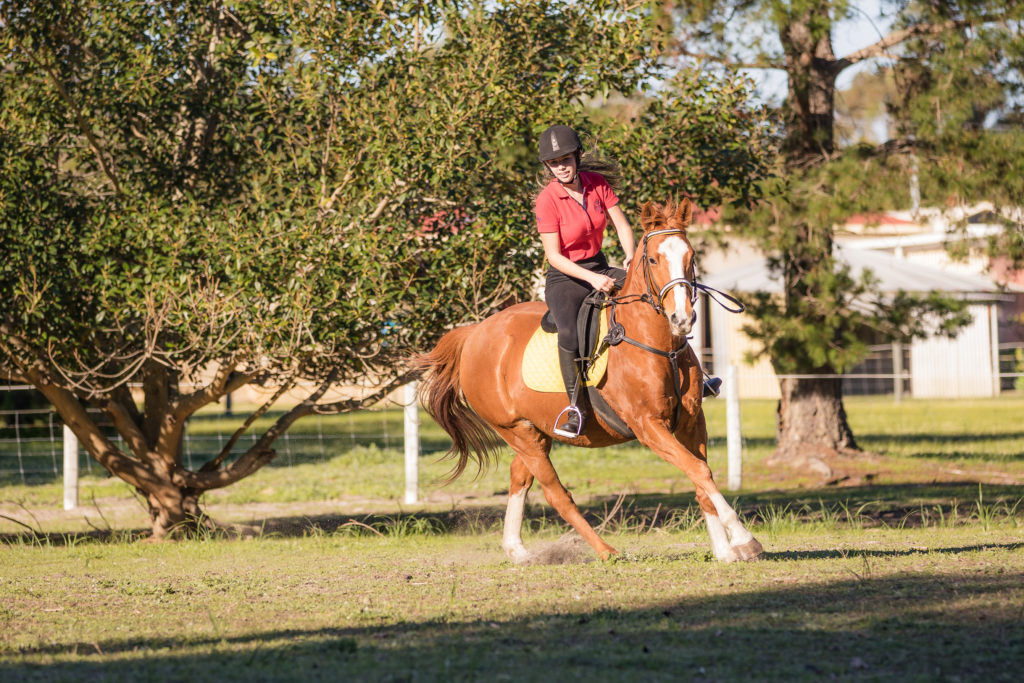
[893, 275]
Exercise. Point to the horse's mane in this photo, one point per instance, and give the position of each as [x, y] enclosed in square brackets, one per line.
[674, 215]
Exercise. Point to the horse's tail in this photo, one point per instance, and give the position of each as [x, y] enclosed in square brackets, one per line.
[441, 395]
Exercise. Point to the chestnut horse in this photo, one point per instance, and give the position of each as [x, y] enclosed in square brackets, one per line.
[473, 387]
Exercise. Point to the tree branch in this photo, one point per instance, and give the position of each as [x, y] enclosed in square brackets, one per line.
[222, 383]
[257, 456]
[135, 472]
[83, 125]
[879, 48]
[216, 462]
[127, 428]
[156, 399]
[123, 395]
[350, 405]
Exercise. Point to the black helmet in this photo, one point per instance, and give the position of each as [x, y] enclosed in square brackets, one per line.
[557, 141]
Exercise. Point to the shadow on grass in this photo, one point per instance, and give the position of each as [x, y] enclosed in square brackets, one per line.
[917, 626]
[884, 554]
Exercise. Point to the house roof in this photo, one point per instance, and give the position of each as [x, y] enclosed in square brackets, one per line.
[878, 218]
[893, 274]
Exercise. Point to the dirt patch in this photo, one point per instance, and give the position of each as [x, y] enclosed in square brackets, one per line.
[569, 549]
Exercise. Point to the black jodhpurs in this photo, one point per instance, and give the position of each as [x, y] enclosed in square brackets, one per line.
[564, 296]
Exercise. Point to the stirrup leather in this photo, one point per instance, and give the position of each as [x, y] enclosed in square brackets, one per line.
[569, 410]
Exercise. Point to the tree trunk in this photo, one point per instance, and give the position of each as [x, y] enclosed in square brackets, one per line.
[810, 65]
[175, 511]
[811, 425]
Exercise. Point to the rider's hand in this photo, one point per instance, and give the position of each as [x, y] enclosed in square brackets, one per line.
[625, 264]
[602, 283]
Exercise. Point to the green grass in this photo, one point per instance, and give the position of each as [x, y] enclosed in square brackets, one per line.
[883, 604]
[911, 570]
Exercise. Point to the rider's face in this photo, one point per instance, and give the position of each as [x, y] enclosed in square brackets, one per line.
[563, 168]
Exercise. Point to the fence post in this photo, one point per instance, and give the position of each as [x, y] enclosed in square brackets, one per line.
[70, 469]
[412, 443]
[733, 436]
[897, 371]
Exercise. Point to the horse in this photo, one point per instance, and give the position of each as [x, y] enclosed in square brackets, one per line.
[472, 385]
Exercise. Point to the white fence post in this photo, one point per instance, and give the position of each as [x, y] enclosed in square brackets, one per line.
[412, 443]
[897, 371]
[70, 469]
[733, 436]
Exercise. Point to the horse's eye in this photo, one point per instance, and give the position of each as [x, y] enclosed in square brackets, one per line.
[653, 261]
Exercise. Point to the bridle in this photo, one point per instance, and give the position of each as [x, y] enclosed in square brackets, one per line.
[657, 301]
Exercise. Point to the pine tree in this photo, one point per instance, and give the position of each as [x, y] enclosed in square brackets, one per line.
[955, 65]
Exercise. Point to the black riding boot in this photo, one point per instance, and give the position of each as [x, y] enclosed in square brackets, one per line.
[571, 420]
[712, 386]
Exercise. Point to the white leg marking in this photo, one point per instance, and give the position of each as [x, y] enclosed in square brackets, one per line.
[738, 534]
[512, 539]
[719, 541]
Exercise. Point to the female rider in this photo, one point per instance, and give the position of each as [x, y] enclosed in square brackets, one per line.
[572, 212]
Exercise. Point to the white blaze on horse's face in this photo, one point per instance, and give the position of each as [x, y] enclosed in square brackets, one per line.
[679, 309]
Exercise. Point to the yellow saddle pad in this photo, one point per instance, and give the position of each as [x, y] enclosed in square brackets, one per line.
[540, 361]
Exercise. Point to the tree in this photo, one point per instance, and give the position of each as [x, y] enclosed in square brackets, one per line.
[935, 51]
[199, 196]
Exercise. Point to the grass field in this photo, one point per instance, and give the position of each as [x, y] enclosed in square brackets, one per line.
[909, 570]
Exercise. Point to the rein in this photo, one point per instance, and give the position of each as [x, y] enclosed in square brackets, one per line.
[617, 333]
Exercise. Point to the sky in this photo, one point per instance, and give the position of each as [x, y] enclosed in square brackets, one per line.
[864, 29]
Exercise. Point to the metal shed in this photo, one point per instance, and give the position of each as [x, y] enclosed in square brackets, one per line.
[965, 366]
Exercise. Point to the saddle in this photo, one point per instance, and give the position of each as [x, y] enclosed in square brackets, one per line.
[540, 360]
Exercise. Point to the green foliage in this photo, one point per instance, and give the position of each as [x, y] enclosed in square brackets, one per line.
[305, 187]
[301, 191]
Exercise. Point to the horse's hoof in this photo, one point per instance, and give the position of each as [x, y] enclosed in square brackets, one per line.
[519, 555]
[607, 553]
[728, 556]
[751, 550]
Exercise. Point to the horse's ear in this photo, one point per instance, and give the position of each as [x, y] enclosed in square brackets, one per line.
[647, 213]
[684, 213]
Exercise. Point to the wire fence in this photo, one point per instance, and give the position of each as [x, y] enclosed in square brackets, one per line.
[31, 440]
[888, 371]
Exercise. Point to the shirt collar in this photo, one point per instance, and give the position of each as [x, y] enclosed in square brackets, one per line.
[561, 192]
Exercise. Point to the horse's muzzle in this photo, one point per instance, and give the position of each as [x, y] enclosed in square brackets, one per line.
[681, 324]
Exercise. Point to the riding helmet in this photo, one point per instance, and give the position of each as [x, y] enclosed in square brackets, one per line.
[557, 141]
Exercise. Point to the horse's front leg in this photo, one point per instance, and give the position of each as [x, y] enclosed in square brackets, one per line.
[730, 540]
[531, 448]
[520, 481]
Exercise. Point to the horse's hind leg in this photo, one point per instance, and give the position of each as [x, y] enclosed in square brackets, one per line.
[531, 447]
[730, 540]
[520, 481]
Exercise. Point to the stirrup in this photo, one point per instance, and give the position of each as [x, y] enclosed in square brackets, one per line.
[565, 432]
[712, 387]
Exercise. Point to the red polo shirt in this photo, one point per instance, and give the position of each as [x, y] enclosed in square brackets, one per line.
[580, 231]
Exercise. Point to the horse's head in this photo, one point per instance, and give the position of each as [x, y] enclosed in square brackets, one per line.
[665, 258]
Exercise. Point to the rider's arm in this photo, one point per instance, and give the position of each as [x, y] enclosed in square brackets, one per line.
[624, 231]
[559, 262]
